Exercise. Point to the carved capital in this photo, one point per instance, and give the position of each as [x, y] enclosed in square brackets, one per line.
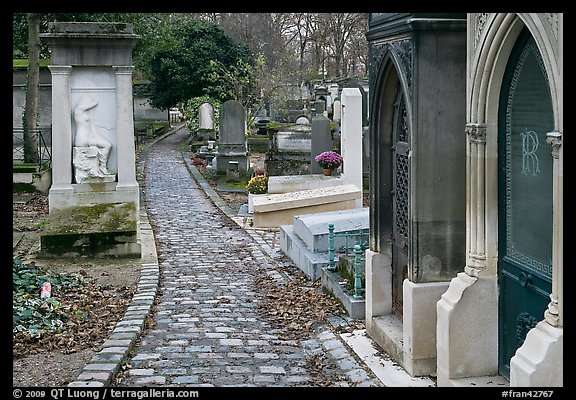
[476, 132]
[554, 139]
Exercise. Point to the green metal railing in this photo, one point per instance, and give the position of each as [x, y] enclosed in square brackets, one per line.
[43, 144]
[360, 245]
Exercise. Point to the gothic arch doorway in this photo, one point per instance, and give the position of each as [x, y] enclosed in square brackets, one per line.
[524, 197]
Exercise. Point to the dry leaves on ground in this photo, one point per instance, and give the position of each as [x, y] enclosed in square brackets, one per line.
[300, 305]
[93, 309]
[93, 312]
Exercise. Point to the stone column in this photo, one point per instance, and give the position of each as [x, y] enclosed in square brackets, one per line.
[61, 131]
[554, 315]
[476, 257]
[125, 129]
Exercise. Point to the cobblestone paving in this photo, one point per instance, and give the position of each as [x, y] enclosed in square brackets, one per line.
[207, 330]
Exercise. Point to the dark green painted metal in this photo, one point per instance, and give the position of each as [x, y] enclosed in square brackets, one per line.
[524, 197]
[358, 289]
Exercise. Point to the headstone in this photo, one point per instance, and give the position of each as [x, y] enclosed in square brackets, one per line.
[206, 122]
[303, 120]
[321, 141]
[297, 142]
[320, 107]
[351, 139]
[364, 96]
[232, 137]
[337, 111]
[334, 90]
[289, 152]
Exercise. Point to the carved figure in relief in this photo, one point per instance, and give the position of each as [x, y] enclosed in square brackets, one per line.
[86, 135]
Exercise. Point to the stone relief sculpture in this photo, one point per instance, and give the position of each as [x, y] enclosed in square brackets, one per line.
[91, 150]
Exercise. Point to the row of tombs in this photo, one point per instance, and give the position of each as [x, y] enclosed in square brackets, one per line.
[439, 296]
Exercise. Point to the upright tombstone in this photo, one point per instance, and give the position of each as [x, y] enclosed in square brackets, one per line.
[351, 138]
[303, 120]
[320, 107]
[321, 141]
[206, 122]
[337, 110]
[93, 158]
[232, 146]
[289, 152]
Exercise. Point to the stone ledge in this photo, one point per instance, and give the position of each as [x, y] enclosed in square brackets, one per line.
[305, 198]
[354, 307]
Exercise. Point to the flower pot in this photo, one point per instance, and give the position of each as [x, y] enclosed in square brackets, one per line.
[327, 171]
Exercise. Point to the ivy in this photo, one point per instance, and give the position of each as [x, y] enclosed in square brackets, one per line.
[191, 111]
[31, 314]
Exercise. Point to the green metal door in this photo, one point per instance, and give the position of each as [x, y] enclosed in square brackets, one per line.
[525, 198]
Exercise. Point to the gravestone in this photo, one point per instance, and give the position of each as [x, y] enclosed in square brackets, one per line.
[232, 148]
[334, 90]
[320, 107]
[290, 150]
[92, 67]
[337, 111]
[321, 141]
[351, 138]
[206, 129]
[303, 120]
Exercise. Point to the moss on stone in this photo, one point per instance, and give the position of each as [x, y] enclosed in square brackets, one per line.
[106, 228]
[104, 217]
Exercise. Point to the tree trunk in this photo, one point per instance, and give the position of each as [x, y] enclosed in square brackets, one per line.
[32, 89]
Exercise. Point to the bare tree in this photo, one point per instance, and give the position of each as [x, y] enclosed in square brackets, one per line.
[357, 49]
[338, 28]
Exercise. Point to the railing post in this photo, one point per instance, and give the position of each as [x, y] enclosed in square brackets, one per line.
[331, 266]
[357, 272]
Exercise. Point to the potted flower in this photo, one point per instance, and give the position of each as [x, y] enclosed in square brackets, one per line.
[329, 161]
[256, 185]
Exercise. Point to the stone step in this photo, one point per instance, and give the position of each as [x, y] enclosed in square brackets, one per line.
[307, 261]
[312, 229]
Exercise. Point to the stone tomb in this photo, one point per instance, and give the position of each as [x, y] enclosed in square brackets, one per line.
[93, 149]
[290, 150]
[274, 210]
[295, 183]
[305, 242]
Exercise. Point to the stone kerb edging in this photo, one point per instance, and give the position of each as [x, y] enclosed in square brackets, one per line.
[100, 370]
